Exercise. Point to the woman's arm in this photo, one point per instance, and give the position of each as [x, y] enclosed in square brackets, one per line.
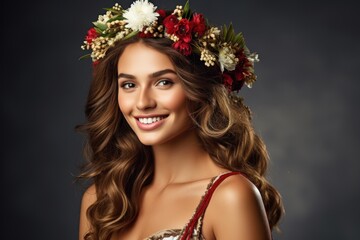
[89, 197]
[236, 211]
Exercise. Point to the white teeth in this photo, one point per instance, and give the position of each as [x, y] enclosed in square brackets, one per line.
[150, 120]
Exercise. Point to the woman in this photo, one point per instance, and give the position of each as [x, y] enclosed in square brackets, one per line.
[165, 131]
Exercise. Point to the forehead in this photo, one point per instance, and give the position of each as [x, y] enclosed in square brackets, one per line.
[139, 58]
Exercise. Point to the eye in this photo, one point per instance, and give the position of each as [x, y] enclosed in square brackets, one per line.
[127, 85]
[164, 82]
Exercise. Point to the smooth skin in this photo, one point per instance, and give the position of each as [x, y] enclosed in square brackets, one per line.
[183, 168]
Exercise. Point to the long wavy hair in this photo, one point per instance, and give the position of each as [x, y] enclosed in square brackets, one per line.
[121, 166]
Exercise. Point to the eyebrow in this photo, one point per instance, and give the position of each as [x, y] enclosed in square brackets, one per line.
[153, 75]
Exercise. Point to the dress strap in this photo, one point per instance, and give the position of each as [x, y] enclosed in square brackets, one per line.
[203, 205]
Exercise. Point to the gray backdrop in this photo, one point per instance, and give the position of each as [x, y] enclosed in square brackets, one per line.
[304, 104]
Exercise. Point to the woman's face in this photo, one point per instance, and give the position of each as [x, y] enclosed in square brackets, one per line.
[151, 96]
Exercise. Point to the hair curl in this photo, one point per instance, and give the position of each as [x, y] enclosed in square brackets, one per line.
[121, 166]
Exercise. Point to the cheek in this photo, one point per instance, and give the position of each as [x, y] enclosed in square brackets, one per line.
[175, 101]
[125, 104]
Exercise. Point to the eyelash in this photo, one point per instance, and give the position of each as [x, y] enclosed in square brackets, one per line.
[125, 85]
[162, 82]
[167, 82]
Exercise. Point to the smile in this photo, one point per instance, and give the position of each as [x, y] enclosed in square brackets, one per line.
[150, 120]
[150, 123]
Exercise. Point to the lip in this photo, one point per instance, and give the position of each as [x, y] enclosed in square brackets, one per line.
[151, 126]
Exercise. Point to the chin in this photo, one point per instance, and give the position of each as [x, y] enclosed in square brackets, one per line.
[151, 141]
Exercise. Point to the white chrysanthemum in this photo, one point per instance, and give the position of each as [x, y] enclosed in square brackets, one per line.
[140, 14]
[227, 59]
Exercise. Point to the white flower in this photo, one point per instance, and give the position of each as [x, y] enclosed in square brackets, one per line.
[208, 57]
[249, 85]
[140, 14]
[104, 18]
[227, 59]
[253, 58]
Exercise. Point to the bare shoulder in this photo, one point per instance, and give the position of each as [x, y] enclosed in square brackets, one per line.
[88, 198]
[238, 190]
[236, 211]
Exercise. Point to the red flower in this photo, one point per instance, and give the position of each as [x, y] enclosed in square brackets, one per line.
[183, 47]
[199, 24]
[231, 83]
[183, 30]
[237, 85]
[241, 70]
[228, 81]
[161, 12]
[234, 80]
[145, 35]
[170, 23]
[91, 35]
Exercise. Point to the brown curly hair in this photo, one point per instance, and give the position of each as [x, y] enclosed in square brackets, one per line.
[120, 166]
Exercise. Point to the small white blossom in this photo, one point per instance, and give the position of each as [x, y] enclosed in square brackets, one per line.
[253, 57]
[120, 35]
[140, 14]
[227, 59]
[207, 57]
[104, 18]
[213, 32]
[249, 85]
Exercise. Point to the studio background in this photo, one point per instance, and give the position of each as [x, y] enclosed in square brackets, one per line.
[305, 106]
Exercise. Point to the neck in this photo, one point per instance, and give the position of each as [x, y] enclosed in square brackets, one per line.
[182, 159]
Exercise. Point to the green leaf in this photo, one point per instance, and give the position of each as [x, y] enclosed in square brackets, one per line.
[130, 35]
[100, 26]
[109, 35]
[224, 30]
[239, 39]
[98, 31]
[117, 17]
[187, 9]
[230, 36]
[85, 56]
[112, 10]
[230, 33]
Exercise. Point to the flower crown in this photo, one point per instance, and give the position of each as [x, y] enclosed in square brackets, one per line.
[189, 32]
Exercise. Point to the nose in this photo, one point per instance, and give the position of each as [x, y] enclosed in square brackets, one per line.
[146, 99]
